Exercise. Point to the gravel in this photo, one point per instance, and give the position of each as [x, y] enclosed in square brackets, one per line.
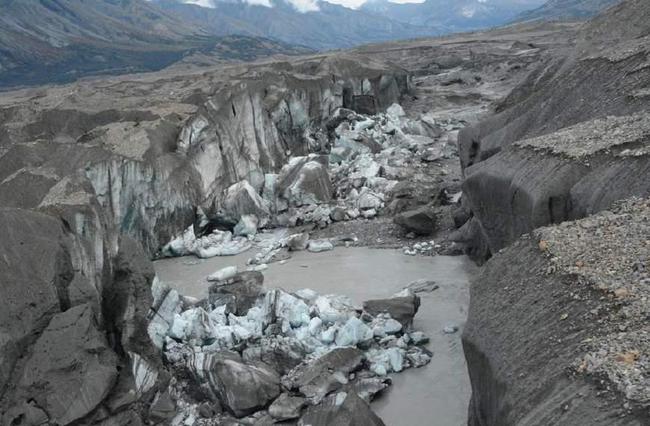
[610, 252]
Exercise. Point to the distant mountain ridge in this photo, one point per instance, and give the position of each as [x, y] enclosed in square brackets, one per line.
[567, 9]
[44, 41]
[331, 27]
[459, 15]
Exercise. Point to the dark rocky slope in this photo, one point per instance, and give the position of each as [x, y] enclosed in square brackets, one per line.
[554, 335]
[513, 188]
[557, 332]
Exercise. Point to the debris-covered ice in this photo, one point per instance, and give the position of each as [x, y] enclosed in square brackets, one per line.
[252, 347]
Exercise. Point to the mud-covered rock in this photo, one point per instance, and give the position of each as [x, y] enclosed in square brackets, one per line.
[72, 369]
[421, 221]
[287, 407]
[238, 293]
[324, 375]
[245, 388]
[401, 308]
[344, 409]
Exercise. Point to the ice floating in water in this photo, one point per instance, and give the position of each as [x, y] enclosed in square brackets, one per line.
[219, 243]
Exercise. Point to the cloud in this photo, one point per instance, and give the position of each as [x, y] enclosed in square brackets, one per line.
[265, 3]
[203, 3]
[305, 5]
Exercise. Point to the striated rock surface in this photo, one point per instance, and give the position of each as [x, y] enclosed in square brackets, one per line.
[561, 176]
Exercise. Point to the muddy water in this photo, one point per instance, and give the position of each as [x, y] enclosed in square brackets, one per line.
[433, 395]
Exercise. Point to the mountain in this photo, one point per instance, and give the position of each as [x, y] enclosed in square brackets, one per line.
[460, 15]
[45, 41]
[325, 26]
[567, 9]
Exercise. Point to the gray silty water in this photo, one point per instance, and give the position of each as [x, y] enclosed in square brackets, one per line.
[436, 394]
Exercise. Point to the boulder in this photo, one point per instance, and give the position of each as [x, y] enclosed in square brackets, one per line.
[71, 369]
[338, 214]
[369, 200]
[245, 388]
[324, 375]
[287, 407]
[368, 385]
[345, 409]
[305, 180]
[35, 264]
[402, 308]
[238, 293]
[421, 221]
[279, 352]
[241, 199]
[162, 408]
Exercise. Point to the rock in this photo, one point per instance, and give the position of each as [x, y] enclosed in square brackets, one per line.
[422, 286]
[287, 407]
[72, 360]
[324, 375]
[317, 246]
[353, 213]
[223, 274]
[208, 410]
[245, 388]
[368, 387]
[305, 180]
[247, 225]
[369, 200]
[281, 353]
[162, 408]
[239, 293]
[418, 356]
[421, 221]
[402, 309]
[346, 409]
[338, 214]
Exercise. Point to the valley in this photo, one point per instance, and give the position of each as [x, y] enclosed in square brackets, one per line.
[447, 230]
